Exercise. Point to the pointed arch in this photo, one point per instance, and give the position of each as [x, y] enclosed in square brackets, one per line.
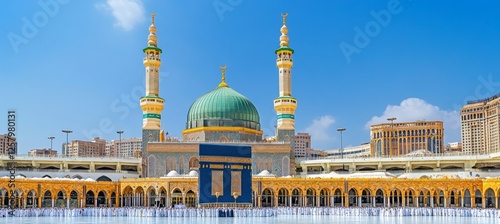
[152, 166]
[297, 197]
[101, 199]
[103, 178]
[170, 164]
[311, 197]
[223, 139]
[193, 163]
[89, 199]
[181, 165]
[269, 164]
[47, 199]
[267, 198]
[285, 166]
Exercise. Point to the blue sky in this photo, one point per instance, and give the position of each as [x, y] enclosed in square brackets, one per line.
[77, 65]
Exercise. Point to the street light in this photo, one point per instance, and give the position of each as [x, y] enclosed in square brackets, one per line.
[235, 195]
[341, 149]
[120, 143]
[67, 142]
[51, 138]
[217, 198]
[391, 119]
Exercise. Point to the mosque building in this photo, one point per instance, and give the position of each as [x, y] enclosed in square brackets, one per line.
[222, 115]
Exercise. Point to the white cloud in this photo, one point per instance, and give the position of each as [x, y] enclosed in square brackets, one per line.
[320, 131]
[413, 109]
[127, 13]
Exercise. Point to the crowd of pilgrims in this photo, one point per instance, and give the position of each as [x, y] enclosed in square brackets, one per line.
[249, 212]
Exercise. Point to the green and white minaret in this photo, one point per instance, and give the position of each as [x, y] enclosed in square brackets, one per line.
[151, 103]
[285, 104]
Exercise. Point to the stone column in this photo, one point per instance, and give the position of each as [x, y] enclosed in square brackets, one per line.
[403, 199]
[373, 201]
[52, 201]
[317, 201]
[360, 203]
[432, 202]
[290, 205]
[346, 199]
[496, 200]
[342, 201]
[275, 201]
[483, 200]
[67, 202]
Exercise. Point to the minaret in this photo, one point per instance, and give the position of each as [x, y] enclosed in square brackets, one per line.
[285, 104]
[151, 103]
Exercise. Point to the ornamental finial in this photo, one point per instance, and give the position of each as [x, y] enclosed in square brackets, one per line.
[223, 82]
[284, 15]
[153, 17]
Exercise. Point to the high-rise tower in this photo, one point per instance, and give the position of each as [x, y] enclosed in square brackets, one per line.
[285, 104]
[151, 103]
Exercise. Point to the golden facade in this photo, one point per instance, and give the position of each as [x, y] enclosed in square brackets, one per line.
[481, 126]
[401, 138]
[267, 192]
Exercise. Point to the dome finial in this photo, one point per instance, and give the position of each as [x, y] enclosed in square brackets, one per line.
[284, 31]
[223, 82]
[153, 18]
[152, 32]
[284, 15]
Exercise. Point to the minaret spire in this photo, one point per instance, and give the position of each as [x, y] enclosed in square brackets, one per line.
[285, 104]
[152, 38]
[223, 81]
[151, 104]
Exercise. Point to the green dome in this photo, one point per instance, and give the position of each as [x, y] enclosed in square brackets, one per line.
[223, 107]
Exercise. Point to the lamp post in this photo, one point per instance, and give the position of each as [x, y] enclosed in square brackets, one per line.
[391, 119]
[217, 198]
[120, 143]
[67, 142]
[341, 149]
[235, 195]
[51, 138]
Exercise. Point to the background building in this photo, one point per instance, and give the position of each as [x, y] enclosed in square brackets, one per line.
[480, 125]
[94, 148]
[5, 140]
[302, 143]
[362, 150]
[127, 147]
[454, 147]
[401, 138]
[42, 152]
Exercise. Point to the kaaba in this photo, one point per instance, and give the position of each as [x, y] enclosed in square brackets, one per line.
[225, 175]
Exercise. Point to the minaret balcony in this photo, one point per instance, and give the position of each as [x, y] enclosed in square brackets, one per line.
[152, 59]
[285, 104]
[152, 100]
[283, 63]
[284, 60]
